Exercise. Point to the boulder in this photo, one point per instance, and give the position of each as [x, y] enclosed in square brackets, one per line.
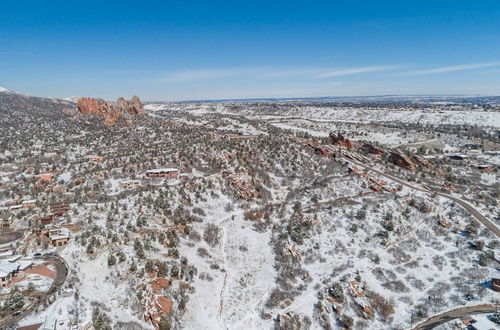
[401, 160]
[368, 148]
[422, 161]
[340, 140]
[88, 105]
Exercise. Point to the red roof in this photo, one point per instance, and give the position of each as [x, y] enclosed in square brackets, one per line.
[31, 327]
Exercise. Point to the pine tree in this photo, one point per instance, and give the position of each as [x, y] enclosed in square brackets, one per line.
[162, 269]
[121, 256]
[15, 300]
[165, 323]
[100, 320]
[111, 260]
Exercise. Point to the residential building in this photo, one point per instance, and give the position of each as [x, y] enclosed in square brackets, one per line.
[163, 173]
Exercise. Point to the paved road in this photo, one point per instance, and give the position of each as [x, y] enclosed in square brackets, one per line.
[61, 274]
[442, 318]
[475, 213]
[439, 319]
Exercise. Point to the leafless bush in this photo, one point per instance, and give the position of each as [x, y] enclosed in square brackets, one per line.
[211, 235]
[383, 306]
[202, 252]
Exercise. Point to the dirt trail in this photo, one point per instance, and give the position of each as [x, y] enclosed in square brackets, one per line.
[220, 315]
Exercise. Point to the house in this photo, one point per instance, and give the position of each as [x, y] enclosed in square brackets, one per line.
[485, 167]
[457, 156]
[6, 251]
[46, 177]
[6, 220]
[46, 219]
[96, 159]
[130, 183]
[58, 189]
[495, 284]
[59, 208]
[58, 236]
[29, 204]
[163, 173]
[473, 146]
[11, 267]
[16, 207]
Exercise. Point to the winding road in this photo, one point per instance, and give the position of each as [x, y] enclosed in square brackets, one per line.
[60, 278]
[442, 318]
[475, 213]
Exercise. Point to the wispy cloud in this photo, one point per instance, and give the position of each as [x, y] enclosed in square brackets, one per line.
[288, 73]
[268, 73]
[351, 71]
[452, 68]
[206, 74]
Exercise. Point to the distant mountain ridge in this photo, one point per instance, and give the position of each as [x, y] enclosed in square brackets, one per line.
[5, 90]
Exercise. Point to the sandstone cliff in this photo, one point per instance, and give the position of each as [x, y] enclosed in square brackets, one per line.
[111, 112]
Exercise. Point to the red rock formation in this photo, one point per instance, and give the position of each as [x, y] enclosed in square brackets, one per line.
[165, 304]
[88, 105]
[320, 150]
[401, 160]
[159, 283]
[137, 107]
[372, 149]
[422, 161]
[132, 107]
[340, 140]
[110, 113]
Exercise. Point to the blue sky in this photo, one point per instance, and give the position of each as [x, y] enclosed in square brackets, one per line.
[179, 50]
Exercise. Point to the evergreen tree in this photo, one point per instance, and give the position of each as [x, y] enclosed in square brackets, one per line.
[162, 269]
[111, 260]
[100, 320]
[15, 300]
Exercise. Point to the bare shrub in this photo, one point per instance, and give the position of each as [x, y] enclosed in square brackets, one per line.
[384, 307]
[211, 235]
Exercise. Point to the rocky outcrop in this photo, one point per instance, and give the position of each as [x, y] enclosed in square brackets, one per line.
[422, 161]
[132, 107]
[88, 105]
[108, 111]
[340, 140]
[401, 160]
[323, 151]
[368, 148]
[287, 321]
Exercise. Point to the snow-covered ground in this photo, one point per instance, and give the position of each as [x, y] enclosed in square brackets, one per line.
[321, 113]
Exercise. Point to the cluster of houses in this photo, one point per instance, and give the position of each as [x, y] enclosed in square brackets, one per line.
[9, 209]
[161, 173]
[170, 173]
[11, 267]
